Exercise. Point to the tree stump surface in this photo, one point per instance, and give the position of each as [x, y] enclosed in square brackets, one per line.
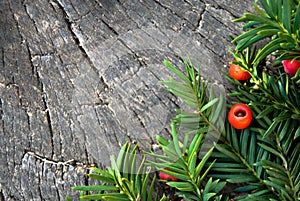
[79, 78]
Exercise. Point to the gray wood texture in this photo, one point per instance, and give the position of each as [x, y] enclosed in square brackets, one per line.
[78, 78]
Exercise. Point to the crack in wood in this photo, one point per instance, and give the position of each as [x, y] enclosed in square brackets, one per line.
[47, 113]
[109, 27]
[74, 36]
[29, 16]
[2, 119]
[39, 186]
[1, 194]
[70, 25]
[71, 162]
[3, 57]
[200, 20]
[186, 20]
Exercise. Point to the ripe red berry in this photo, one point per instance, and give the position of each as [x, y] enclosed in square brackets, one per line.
[240, 116]
[291, 66]
[237, 73]
[166, 177]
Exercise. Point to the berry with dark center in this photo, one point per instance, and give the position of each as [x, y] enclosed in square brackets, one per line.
[240, 116]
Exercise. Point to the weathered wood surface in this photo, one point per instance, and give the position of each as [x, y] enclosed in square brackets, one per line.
[78, 78]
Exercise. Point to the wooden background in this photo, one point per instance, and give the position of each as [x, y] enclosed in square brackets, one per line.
[78, 78]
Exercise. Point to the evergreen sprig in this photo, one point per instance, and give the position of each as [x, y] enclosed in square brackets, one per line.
[278, 20]
[127, 179]
[181, 159]
[190, 87]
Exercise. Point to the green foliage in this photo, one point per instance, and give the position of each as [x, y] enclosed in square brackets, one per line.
[263, 159]
[209, 107]
[190, 89]
[274, 137]
[182, 162]
[182, 159]
[278, 20]
[122, 181]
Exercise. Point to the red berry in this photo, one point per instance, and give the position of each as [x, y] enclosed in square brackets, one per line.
[237, 73]
[240, 116]
[291, 66]
[166, 177]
